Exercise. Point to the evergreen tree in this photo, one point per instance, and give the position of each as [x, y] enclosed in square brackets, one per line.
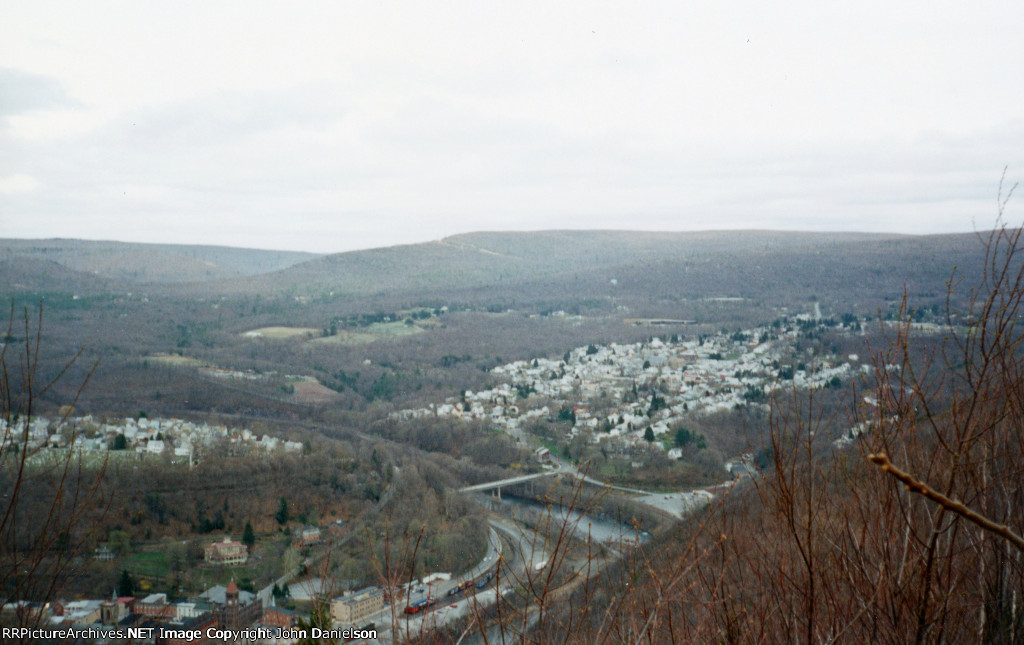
[125, 586]
[282, 512]
[248, 537]
[320, 618]
[657, 403]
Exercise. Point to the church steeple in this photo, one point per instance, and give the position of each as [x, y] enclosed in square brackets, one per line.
[108, 610]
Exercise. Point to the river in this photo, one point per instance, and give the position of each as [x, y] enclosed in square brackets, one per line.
[601, 530]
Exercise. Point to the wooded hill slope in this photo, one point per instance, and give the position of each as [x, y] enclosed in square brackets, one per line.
[748, 264]
[150, 262]
[515, 269]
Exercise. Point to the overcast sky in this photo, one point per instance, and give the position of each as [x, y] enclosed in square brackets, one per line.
[330, 126]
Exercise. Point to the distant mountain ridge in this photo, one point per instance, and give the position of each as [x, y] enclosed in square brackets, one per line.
[501, 266]
[476, 260]
[151, 263]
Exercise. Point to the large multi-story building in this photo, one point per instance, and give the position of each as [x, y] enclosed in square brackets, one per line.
[278, 617]
[226, 552]
[354, 607]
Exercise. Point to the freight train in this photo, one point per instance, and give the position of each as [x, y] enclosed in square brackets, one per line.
[462, 586]
[420, 605]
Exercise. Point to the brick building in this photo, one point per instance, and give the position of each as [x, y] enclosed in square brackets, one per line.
[234, 609]
[355, 607]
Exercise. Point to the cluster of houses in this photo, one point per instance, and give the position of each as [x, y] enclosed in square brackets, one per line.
[219, 607]
[173, 437]
[618, 391]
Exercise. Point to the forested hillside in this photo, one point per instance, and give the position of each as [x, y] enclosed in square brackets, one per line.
[160, 263]
[757, 370]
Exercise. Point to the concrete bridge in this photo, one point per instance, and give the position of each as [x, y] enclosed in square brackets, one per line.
[501, 483]
[496, 486]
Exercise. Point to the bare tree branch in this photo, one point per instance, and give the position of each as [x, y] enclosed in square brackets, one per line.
[915, 486]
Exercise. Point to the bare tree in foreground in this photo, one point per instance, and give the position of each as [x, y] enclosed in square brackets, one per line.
[829, 548]
[48, 497]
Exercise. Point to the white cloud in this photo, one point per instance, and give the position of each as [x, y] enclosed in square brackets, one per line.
[17, 183]
[328, 126]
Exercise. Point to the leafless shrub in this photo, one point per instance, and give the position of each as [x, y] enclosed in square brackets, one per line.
[49, 499]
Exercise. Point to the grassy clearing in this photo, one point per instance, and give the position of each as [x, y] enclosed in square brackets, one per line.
[173, 360]
[312, 391]
[397, 329]
[348, 338]
[152, 564]
[371, 333]
[279, 333]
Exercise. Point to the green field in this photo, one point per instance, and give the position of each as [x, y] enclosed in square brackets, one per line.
[371, 333]
[152, 564]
